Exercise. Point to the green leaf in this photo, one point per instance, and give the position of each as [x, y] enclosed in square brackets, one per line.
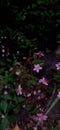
[4, 123]
[12, 118]
[4, 106]
[17, 109]
[34, 5]
[32, 81]
[28, 108]
[35, 111]
[21, 99]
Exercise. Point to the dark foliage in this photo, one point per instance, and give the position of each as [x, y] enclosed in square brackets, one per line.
[30, 25]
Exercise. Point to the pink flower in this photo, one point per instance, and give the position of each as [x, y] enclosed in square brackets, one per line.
[24, 58]
[19, 90]
[3, 46]
[35, 128]
[17, 63]
[3, 50]
[11, 69]
[18, 52]
[24, 106]
[41, 109]
[43, 81]
[5, 92]
[58, 66]
[3, 55]
[39, 91]
[37, 67]
[17, 73]
[5, 37]
[58, 95]
[38, 97]
[34, 92]
[2, 116]
[42, 117]
[39, 54]
[28, 95]
[5, 86]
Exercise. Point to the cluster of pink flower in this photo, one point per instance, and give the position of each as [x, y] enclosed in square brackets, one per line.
[40, 117]
[39, 54]
[36, 92]
[20, 92]
[37, 68]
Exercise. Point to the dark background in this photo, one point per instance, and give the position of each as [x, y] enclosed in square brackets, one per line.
[29, 25]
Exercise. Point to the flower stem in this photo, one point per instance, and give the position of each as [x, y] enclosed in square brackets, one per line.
[52, 105]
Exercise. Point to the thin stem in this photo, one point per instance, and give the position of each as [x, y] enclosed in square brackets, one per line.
[51, 98]
[52, 105]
